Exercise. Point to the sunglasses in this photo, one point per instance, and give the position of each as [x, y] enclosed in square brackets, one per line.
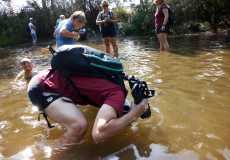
[24, 63]
[106, 5]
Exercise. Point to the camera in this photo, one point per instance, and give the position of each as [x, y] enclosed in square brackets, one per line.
[139, 91]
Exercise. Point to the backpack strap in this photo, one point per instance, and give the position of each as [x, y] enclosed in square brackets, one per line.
[43, 111]
[110, 14]
[163, 6]
[46, 118]
[101, 13]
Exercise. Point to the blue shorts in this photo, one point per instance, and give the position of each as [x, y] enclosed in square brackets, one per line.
[34, 37]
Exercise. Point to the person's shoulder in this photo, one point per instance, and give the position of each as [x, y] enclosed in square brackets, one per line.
[165, 6]
[111, 13]
[67, 22]
[64, 22]
[100, 13]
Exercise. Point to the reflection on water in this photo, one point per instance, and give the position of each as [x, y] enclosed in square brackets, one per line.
[157, 151]
[190, 114]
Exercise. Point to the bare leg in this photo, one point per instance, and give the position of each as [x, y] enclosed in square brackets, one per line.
[107, 45]
[160, 41]
[107, 124]
[68, 115]
[115, 48]
[165, 41]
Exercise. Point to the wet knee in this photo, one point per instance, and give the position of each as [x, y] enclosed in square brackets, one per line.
[98, 135]
[97, 138]
[79, 127]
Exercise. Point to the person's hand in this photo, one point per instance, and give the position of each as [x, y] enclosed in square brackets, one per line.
[140, 108]
[103, 21]
[76, 35]
[108, 20]
[163, 28]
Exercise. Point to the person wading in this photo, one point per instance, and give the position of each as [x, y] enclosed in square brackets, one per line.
[106, 20]
[161, 24]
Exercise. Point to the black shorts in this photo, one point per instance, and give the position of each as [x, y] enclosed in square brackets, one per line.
[167, 30]
[40, 98]
[109, 31]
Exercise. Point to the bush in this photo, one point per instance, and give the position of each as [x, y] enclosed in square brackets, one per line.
[122, 14]
[141, 21]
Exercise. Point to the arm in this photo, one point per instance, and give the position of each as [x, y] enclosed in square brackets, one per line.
[67, 30]
[33, 26]
[107, 124]
[66, 33]
[20, 76]
[98, 20]
[166, 14]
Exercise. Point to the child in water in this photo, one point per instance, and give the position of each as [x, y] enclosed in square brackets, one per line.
[27, 72]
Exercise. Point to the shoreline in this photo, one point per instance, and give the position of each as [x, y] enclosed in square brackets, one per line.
[97, 38]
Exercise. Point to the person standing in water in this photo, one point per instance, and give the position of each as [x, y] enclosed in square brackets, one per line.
[65, 32]
[161, 24]
[32, 29]
[27, 70]
[106, 20]
[61, 18]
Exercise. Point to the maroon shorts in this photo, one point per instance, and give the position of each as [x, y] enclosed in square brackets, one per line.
[97, 91]
[101, 91]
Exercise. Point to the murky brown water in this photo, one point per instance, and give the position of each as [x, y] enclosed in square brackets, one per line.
[190, 112]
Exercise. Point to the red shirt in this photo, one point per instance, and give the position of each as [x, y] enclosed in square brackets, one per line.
[98, 91]
[159, 16]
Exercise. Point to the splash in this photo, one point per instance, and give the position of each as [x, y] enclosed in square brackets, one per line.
[19, 85]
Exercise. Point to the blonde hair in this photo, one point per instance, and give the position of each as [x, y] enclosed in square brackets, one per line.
[103, 2]
[23, 60]
[79, 15]
[158, 0]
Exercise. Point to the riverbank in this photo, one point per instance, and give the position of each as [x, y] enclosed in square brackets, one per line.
[221, 35]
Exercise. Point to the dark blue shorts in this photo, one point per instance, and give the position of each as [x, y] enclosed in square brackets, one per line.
[108, 31]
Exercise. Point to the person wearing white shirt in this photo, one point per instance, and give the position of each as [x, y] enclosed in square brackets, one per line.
[32, 28]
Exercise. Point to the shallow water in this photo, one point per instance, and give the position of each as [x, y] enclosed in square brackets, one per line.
[190, 112]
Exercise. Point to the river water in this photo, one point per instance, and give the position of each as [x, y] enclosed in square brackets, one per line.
[190, 113]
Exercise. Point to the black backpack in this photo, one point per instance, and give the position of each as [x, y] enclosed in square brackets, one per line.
[171, 19]
[86, 61]
[27, 29]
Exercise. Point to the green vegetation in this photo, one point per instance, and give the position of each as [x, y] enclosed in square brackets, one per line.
[190, 16]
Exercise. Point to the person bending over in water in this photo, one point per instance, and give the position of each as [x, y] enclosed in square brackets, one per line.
[27, 70]
[56, 96]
